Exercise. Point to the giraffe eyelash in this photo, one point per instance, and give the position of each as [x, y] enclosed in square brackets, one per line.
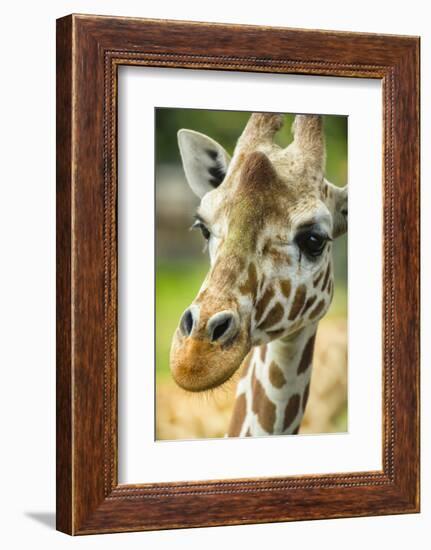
[198, 224]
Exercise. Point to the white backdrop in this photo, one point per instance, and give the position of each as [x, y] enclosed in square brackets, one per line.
[27, 115]
[141, 459]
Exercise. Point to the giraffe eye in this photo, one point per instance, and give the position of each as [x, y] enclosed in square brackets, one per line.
[312, 243]
[203, 228]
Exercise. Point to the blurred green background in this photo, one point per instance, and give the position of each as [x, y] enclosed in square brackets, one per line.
[180, 264]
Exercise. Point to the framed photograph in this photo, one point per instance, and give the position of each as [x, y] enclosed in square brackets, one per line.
[264, 366]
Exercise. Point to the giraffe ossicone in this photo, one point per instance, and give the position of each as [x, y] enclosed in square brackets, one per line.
[269, 216]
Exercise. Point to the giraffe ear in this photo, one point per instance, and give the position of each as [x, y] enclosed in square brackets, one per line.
[339, 195]
[205, 162]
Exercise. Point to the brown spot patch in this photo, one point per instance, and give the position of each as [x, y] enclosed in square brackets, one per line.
[276, 376]
[318, 279]
[263, 407]
[263, 350]
[238, 416]
[307, 355]
[305, 396]
[279, 258]
[309, 303]
[317, 310]
[274, 316]
[286, 287]
[266, 247]
[262, 282]
[291, 410]
[325, 280]
[298, 302]
[295, 431]
[263, 302]
[250, 285]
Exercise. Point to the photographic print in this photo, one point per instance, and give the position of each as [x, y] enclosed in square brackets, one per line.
[251, 304]
[202, 352]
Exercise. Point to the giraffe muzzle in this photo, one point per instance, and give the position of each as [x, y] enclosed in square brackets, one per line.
[207, 350]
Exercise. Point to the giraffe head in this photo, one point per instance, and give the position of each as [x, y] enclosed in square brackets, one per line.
[269, 217]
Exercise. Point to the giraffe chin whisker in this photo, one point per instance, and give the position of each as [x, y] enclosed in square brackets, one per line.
[203, 388]
[223, 389]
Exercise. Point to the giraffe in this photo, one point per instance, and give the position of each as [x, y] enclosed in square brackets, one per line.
[269, 217]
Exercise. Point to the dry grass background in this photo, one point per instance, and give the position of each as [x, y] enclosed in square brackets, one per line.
[182, 415]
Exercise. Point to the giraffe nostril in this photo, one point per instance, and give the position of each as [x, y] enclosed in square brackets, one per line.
[222, 326]
[187, 322]
[220, 329]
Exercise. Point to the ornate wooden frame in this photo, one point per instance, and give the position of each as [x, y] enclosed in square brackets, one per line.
[89, 51]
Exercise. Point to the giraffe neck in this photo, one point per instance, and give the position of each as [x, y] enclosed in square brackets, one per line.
[273, 390]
